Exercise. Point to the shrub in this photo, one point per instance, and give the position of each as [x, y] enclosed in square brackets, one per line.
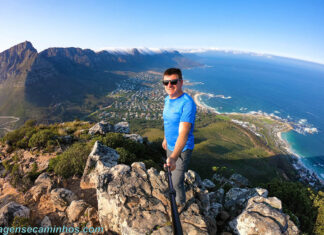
[41, 138]
[71, 162]
[297, 200]
[19, 222]
[125, 156]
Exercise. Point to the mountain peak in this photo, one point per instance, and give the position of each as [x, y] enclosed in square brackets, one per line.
[24, 46]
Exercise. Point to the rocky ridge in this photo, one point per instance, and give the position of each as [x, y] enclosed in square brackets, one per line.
[134, 200]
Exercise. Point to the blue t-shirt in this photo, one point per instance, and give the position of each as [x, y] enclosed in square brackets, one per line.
[181, 109]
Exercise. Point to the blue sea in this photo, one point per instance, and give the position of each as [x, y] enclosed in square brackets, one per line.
[290, 89]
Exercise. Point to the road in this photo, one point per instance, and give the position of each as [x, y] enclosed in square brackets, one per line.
[13, 120]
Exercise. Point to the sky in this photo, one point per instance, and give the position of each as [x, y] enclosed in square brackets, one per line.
[285, 28]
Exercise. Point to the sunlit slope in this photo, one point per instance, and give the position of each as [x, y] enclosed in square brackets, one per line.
[221, 143]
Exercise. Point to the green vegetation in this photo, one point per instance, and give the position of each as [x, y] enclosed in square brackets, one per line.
[46, 137]
[304, 206]
[72, 161]
[19, 222]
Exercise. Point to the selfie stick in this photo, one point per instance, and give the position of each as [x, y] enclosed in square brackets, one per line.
[176, 224]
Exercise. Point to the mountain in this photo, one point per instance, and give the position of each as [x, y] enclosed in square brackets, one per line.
[64, 83]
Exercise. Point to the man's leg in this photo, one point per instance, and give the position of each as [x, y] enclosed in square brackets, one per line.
[178, 174]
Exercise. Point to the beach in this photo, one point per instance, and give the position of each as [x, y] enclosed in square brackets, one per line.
[306, 175]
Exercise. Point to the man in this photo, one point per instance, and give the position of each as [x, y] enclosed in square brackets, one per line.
[179, 119]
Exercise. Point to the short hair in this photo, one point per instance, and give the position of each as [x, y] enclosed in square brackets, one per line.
[172, 71]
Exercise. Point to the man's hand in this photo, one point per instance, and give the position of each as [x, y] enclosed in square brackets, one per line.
[164, 144]
[171, 162]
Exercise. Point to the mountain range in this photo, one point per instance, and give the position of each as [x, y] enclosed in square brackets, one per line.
[58, 84]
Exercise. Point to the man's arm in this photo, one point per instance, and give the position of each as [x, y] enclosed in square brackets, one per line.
[164, 144]
[184, 129]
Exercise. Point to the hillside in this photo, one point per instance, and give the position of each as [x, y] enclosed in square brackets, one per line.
[60, 84]
[40, 162]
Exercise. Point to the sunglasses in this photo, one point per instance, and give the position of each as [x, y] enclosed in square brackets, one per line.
[173, 82]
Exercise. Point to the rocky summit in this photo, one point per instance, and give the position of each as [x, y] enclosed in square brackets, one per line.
[131, 199]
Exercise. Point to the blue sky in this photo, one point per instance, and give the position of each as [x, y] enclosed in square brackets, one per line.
[288, 28]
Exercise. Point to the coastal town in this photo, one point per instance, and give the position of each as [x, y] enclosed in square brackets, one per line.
[140, 97]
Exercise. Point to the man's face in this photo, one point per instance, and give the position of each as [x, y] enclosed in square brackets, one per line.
[173, 90]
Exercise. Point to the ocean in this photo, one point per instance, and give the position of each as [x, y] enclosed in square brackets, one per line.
[287, 88]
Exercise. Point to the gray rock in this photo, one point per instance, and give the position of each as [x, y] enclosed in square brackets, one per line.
[101, 128]
[43, 184]
[62, 198]
[239, 180]
[217, 196]
[236, 198]
[208, 184]
[10, 211]
[76, 210]
[46, 222]
[133, 200]
[219, 179]
[122, 127]
[100, 159]
[136, 137]
[192, 178]
[263, 216]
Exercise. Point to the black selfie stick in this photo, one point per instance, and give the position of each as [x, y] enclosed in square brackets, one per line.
[176, 224]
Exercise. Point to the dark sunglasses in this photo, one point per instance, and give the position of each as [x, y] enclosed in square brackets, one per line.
[173, 82]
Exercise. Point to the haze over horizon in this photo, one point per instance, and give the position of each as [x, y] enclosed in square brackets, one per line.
[290, 29]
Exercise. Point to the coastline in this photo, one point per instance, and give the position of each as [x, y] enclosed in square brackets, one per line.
[306, 174]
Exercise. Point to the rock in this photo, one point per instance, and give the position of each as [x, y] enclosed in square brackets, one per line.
[239, 180]
[44, 179]
[101, 128]
[10, 211]
[192, 178]
[132, 200]
[46, 222]
[100, 159]
[216, 208]
[62, 198]
[263, 216]
[236, 198]
[76, 209]
[217, 196]
[224, 215]
[43, 184]
[208, 184]
[122, 127]
[218, 179]
[136, 137]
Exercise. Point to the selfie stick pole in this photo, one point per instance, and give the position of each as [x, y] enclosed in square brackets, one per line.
[176, 224]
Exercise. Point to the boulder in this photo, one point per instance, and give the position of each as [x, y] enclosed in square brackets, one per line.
[76, 210]
[62, 198]
[133, 200]
[208, 184]
[122, 127]
[100, 159]
[136, 137]
[217, 196]
[101, 128]
[43, 184]
[236, 198]
[219, 179]
[263, 216]
[239, 180]
[10, 211]
[192, 178]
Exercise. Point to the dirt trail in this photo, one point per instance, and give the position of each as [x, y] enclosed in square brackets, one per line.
[4, 125]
